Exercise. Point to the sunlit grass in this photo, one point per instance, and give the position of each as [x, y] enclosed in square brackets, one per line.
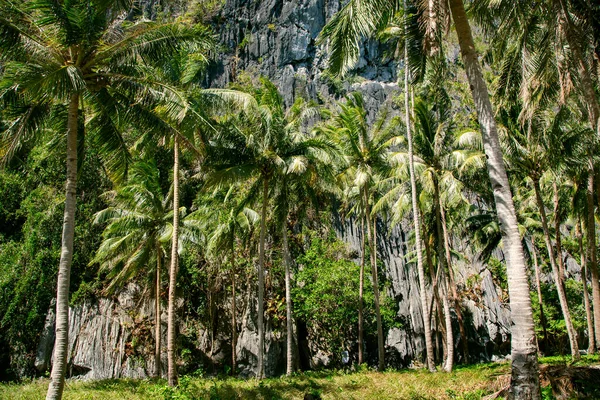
[466, 382]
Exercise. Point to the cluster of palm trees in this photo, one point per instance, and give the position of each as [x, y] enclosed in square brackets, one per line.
[130, 87]
[547, 59]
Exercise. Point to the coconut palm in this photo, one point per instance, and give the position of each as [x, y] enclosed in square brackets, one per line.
[136, 236]
[364, 148]
[532, 150]
[61, 60]
[548, 54]
[359, 18]
[224, 225]
[259, 147]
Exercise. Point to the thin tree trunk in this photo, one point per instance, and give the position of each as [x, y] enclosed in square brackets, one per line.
[443, 259]
[455, 298]
[233, 315]
[380, 344]
[437, 301]
[429, 361]
[591, 250]
[172, 366]
[539, 293]
[586, 296]
[59, 363]
[525, 382]
[261, 280]
[561, 263]
[157, 335]
[288, 301]
[562, 297]
[361, 288]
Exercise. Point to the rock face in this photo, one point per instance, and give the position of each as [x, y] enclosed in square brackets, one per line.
[108, 338]
[113, 338]
[487, 318]
[276, 39]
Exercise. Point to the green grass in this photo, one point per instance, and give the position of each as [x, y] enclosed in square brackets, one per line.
[466, 382]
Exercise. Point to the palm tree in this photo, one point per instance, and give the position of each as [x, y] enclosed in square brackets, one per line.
[365, 151]
[187, 122]
[60, 57]
[359, 18]
[136, 235]
[259, 147]
[299, 185]
[223, 226]
[549, 45]
[532, 150]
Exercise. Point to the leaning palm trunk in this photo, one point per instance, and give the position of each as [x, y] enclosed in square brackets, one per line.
[172, 373]
[361, 289]
[586, 296]
[452, 283]
[59, 365]
[417, 223]
[438, 311]
[372, 250]
[261, 281]
[525, 382]
[591, 251]
[233, 315]
[562, 297]
[539, 293]
[288, 302]
[157, 343]
[443, 263]
[561, 263]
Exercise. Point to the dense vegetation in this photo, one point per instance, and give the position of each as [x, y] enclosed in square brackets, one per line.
[207, 194]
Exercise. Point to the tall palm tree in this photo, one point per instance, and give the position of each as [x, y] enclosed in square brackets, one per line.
[549, 60]
[224, 225]
[365, 151]
[298, 185]
[531, 150]
[64, 60]
[359, 18]
[259, 147]
[136, 236]
[187, 123]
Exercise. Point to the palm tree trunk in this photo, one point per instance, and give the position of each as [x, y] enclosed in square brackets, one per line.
[586, 296]
[561, 263]
[562, 297]
[361, 288]
[371, 239]
[417, 223]
[288, 302]
[437, 313]
[59, 366]
[452, 283]
[539, 293]
[525, 383]
[591, 251]
[443, 262]
[233, 315]
[261, 280]
[157, 366]
[172, 372]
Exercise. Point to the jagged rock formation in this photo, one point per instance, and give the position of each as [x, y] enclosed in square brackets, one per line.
[276, 38]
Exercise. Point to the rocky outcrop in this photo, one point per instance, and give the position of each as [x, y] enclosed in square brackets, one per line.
[276, 39]
[487, 314]
[110, 338]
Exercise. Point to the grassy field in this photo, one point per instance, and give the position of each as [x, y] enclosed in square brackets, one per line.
[467, 383]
